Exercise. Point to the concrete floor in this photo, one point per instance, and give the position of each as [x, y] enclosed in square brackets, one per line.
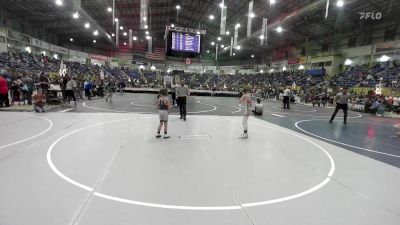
[101, 164]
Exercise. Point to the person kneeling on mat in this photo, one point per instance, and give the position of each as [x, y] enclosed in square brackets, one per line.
[39, 101]
[259, 108]
[163, 105]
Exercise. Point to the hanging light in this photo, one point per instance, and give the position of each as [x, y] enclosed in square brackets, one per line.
[59, 2]
[87, 25]
[94, 41]
[71, 39]
[125, 33]
[109, 9]
[134, 38]
[211, 17]
[75, 15]
[95, 33]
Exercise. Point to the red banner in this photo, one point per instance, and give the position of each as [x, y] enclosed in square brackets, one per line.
[293, 61]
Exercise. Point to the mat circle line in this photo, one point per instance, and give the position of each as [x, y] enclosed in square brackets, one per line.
[182, 207]
[34, 136]
[120, 111]
[341, 143]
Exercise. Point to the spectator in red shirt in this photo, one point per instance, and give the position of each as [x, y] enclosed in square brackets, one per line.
[3, 90]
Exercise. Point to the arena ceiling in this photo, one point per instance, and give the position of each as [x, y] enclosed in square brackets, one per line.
[300, 19]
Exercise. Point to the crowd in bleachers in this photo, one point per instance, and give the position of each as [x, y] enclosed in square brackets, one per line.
[313, 88]
[386, 73]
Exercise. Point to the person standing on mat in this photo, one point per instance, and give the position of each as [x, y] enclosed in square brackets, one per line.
[286, 98]
[182, 92]
[163, 105]
[341, 99]
[245, 101]
[173, 94]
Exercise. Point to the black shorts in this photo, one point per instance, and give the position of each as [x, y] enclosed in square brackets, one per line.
[342, 106]
[182, 100]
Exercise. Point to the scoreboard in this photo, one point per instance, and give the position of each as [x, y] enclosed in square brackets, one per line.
[185, 42]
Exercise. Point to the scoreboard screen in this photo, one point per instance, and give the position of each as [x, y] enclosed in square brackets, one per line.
[182, 42]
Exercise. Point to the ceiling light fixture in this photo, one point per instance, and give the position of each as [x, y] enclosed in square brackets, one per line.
[59, 2]
[75, 15]
[87, 25]
[109, 9]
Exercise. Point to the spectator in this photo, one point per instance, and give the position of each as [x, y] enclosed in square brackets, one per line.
[4, 101]
[39, 102]
[69, 90]
[15, 93]
[28, 88]
[44, 84]
[88, 88]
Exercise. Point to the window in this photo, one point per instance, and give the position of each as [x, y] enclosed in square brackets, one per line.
[352, 42]
[325, 48]
[390, 35]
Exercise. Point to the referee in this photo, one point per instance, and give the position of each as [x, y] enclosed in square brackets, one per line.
[342, 98]
[182, 92]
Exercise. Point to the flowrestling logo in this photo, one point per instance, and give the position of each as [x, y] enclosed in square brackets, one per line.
[370, 15]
